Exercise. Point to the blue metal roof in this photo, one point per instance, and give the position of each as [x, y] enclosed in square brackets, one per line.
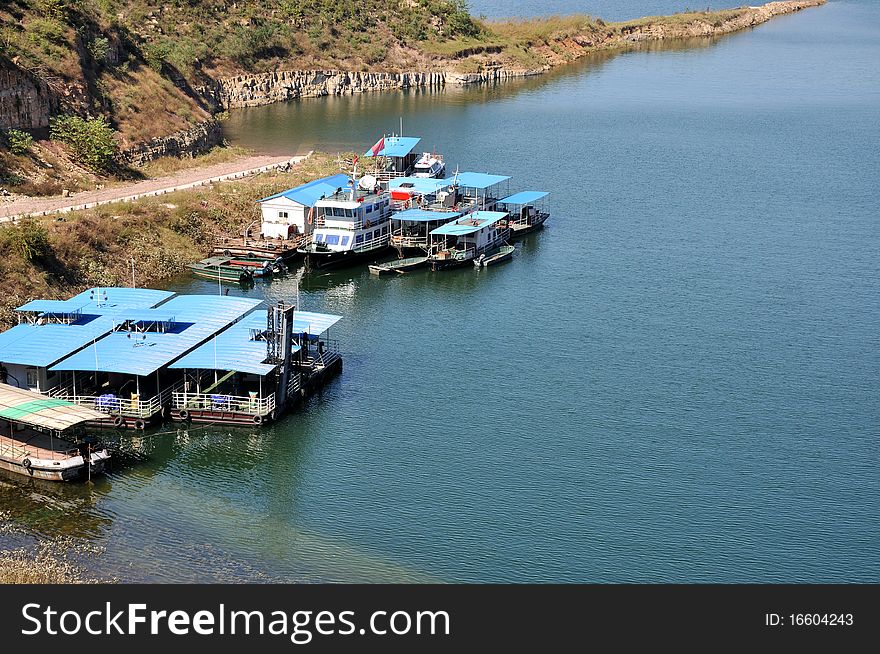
[99, 301]
[524, 197]
[313, 323]
[423, 216]
[197, 318]
[480, 180]
[395, 146]
[308, 194]
[42, 345]
[233, 349]
[472, 222]
[423, 185]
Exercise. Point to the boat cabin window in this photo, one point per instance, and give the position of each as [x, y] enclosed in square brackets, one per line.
[359, 238]
[385, 229]
[331, 239]
[32, 377]
[319, 238]
[344, 241]
[377, 233]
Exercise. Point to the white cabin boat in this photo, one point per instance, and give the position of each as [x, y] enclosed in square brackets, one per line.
[350, 226]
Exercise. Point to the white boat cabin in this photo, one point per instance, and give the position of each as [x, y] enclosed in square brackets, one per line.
[467, 237]
[286, 215]
[352, 221]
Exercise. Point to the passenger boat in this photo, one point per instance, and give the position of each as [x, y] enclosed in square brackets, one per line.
[399, 266]
[220, 269]
[350, 226]
[527, 213]
[465, 239]
[394, 156]
[42, 437]
[495, 255]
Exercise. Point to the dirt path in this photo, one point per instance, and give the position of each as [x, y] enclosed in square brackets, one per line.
[243, 167]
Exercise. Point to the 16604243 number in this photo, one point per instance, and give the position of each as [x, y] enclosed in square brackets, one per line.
[821, 619]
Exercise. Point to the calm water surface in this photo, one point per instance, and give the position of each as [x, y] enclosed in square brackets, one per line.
[675, 381]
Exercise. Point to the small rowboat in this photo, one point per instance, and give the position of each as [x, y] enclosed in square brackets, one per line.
[495, 255]
[399, 266]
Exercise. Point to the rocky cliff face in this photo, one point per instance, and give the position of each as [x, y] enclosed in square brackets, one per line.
[266, 88]
[26, 102]
[186, 143]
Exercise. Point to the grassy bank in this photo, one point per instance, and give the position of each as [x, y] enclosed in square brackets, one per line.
[55, 257]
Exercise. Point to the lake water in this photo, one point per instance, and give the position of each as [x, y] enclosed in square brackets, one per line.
[676, 381]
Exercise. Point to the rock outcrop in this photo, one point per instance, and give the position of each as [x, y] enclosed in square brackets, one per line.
[26, 102]
[186, 143]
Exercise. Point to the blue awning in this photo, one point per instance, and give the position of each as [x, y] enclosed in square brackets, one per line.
[472, 222]
[234, 349]
[422, 216]
[395, 146]
[308, 194]
[314, 324]
[197, 318]
[524, 197]
[480, 180]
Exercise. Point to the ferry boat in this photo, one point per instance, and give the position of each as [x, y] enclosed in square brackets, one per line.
[463, 240]
[42, 438]
[349, 226]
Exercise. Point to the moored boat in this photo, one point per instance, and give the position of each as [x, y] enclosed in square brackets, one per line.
[527, 212]
[494, 256]
[350, 226]
[464, 239]
[42, 437]
[220, 269]
[399, 265]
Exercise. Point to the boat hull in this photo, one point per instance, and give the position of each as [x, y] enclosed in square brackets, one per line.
[69, 473]
[520, 231]
[500, 255]
[332, 260]
[399, 266]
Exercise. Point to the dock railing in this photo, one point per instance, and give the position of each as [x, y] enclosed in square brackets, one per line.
[132, 407]
[250, 405]
[319, 359]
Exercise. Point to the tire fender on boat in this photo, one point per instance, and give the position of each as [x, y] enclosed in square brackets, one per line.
[183, 414]
[27, 463]
[139, 424]
[118, 421]
[258, 420]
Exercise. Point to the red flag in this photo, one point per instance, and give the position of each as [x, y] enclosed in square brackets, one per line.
[355, 160]
[380, 145]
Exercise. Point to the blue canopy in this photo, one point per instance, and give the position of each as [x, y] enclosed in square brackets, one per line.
[472, 222]
[41, 345]
[314, 324]
[423, 216]
[308, 194]
[234, 349]
[422, 185]
[395, 146]
[524, 197]
[480, 180]
[198, 317]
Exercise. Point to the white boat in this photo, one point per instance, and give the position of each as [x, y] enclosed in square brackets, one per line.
[349, 226]
[429, 165]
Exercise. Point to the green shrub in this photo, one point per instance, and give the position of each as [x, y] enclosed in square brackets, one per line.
[92, 140]
[99, 48]
[28, 238]
[19, 142]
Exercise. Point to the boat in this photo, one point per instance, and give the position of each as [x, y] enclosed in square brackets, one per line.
[495, 255]
[429, 165]
[350, 226]
[399, 266]
[527, 213]
[221, 269]
[394, 157]
[42, 438]
[463, 240]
